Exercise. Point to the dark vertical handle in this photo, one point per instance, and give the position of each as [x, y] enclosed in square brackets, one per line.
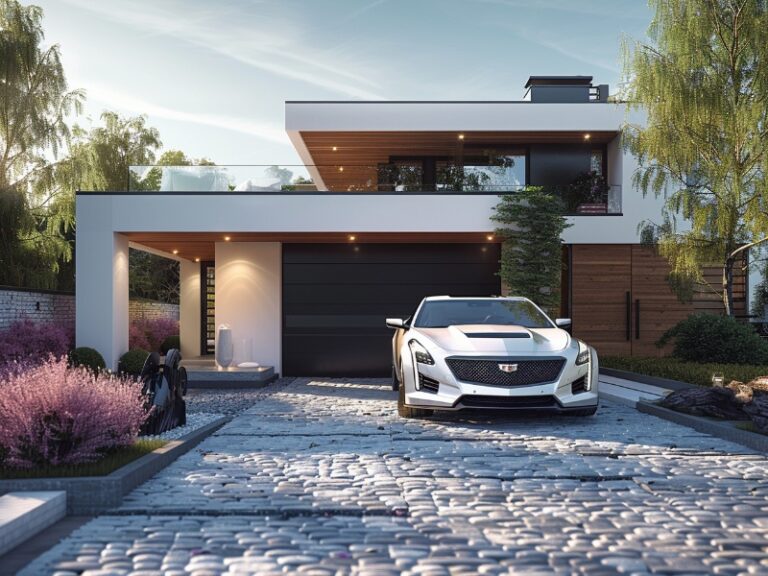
[637, 319]
[629, 316]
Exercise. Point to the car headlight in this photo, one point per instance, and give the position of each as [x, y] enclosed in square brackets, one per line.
[584, 354]
[420, 353]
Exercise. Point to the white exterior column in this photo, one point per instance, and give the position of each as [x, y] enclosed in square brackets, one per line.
[101, 282]
[189, 308]
[248, 298]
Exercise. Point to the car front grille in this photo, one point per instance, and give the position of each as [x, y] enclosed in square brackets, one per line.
[488, 371]
[507, 403]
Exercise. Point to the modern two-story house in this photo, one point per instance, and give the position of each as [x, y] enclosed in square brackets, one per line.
[393, 203]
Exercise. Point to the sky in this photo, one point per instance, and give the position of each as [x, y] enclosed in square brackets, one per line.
[213, 75]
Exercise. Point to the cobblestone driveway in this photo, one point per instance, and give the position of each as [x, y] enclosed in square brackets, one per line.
[321, 477]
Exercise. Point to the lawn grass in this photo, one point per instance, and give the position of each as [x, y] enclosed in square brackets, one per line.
[691, 372]
[106, 465]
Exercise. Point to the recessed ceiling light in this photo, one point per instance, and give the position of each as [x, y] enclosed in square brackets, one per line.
[461, 136]
[352, 237]
[587, 136]
[334, 148]
[227, 238]
[490, 237]
[197, 259]
[175, 251]
[341, 168]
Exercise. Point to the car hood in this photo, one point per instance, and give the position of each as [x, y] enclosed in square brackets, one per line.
[492, 339]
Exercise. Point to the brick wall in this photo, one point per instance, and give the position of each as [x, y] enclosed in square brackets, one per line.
[37, 305]
[46, 306]
[148, 309]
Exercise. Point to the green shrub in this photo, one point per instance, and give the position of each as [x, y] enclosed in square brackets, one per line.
[88, 357]
[691, 372]
[170, 342]
[133, 361]
[717, 339]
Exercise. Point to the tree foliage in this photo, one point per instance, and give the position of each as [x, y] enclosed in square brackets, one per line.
[34, 103]
[704, 86]
[531, 224]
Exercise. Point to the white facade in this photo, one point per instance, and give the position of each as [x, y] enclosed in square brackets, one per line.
[248, 283]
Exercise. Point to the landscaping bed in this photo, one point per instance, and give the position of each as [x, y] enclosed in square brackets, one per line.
[108, 464]
[691, 372]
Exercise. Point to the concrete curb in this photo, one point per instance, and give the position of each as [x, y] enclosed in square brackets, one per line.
[722, 430]
[90, 495]
[645, 379]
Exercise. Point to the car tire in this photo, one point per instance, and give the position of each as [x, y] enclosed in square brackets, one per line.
[584, 411]
[395, 379]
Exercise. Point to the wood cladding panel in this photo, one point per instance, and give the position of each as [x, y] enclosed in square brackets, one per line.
[600, 280]
[660, 308]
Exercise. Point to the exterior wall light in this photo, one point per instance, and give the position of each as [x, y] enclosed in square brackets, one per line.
[227, 238]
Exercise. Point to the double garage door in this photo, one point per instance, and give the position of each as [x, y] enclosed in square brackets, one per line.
[337, 296]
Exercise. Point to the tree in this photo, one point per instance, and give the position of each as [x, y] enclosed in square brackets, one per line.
[34, 102]
[101, 159]
[531, 225]
[704, 87]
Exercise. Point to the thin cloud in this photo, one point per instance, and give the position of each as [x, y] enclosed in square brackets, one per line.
[115, 99]
[572, 6]
[269, 49]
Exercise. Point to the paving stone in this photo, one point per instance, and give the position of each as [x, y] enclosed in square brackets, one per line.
[321, 477]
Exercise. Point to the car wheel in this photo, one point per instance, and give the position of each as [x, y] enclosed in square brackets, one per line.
[584, 411]
[406, 411]
[395, 380]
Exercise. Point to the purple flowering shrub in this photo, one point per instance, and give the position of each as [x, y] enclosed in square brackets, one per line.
[26, 340]
[54, 414]
[149, 333]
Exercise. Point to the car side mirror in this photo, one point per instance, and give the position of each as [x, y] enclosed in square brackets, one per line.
[397, 323]
[562, 322]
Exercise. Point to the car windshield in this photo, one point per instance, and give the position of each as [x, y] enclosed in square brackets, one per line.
[444, 313]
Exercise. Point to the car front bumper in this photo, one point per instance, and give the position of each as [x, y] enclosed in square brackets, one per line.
[568, 392]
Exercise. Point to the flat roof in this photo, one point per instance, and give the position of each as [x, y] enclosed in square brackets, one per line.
[558, 81]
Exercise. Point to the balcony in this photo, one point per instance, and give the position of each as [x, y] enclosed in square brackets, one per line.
[587, 195]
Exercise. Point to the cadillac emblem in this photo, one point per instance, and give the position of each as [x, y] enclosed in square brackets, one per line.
[508, 368]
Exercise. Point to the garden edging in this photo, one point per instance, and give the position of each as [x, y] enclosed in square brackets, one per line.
[722, 430]
[88, 495]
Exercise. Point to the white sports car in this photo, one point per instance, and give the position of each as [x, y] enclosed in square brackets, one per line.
[497, 353]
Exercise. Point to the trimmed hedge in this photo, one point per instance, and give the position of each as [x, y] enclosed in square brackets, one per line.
[691, 372]
[87, 357]
[716, 339]
[133, 361]
[170, 342]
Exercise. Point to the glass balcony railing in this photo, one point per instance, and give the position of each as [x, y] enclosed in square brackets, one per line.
[587, 194]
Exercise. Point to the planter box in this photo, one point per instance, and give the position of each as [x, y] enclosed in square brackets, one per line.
[88, 495]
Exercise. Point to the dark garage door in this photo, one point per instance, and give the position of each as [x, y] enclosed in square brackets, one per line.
[336, 297]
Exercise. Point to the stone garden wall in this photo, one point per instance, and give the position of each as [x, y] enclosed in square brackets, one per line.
[37, 305]
[49, 306]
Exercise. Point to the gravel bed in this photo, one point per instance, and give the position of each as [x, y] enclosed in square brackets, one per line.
[195, 420]
[229, 401]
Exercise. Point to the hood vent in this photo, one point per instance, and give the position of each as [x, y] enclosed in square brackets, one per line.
[497, 335]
